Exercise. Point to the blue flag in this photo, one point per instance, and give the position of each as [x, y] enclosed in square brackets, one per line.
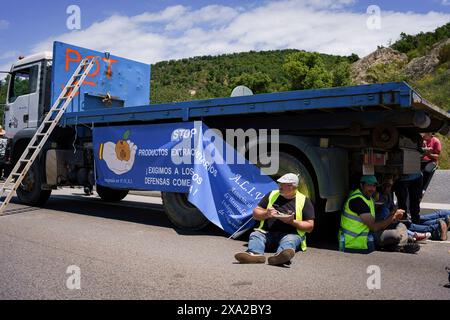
[185, 157]
[227, 192]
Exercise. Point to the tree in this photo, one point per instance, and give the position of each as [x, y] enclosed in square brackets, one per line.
[341, 75]
[3, 87]
[258, 81]
[418, 45]
[306, 70]
[353, 58]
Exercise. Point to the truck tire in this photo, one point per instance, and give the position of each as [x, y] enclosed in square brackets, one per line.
[324, 224]
[30, 192]
[182, 213]
[187, 217]
[112, 195]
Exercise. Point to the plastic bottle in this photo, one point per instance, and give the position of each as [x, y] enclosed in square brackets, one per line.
[370, 243]
[341, 242]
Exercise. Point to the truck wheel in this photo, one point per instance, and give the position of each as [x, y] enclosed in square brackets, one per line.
[324, 224]
[112, 195]
[30, 192]
[182, 213]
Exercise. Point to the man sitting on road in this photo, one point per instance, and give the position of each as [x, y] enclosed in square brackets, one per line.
[284, 216]
[361, 233]
[384, 206]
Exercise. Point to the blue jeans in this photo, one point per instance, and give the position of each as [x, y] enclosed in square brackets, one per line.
[430, 222]
[259, 241]
[431, 218]
[423, 227]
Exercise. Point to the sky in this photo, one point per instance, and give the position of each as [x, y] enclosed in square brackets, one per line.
[155, 30]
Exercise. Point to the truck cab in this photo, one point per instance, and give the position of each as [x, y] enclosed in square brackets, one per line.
[28, 95]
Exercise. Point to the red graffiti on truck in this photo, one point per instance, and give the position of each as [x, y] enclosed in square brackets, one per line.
[73, 56]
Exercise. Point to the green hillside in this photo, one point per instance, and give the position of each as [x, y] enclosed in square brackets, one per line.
[281, 70]
[210, 77]
[418, 45]
[435, 86]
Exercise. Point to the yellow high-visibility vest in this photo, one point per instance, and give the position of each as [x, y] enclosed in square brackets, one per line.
[299, 204]
[354, 231]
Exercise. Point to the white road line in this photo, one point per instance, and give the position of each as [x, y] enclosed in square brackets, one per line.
[435, 206]
[438, 241]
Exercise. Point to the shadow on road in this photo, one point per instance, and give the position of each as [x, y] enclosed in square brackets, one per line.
[142, 213]
[128, 211]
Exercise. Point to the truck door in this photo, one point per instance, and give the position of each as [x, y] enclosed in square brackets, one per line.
[23, 96]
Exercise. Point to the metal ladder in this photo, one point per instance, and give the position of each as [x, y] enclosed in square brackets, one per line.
[43, 132]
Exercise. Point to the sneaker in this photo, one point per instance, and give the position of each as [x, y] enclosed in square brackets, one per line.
[282, 257]
[409, 248]
[418, 236]
[249, 257]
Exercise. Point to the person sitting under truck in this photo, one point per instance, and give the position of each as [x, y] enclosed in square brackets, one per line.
[436, 223]
[284, 216]
[384, 205]
[361, 233]
[432, 226]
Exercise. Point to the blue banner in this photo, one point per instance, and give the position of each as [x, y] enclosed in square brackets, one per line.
[229, 190]
[139, 157]
[183, 157]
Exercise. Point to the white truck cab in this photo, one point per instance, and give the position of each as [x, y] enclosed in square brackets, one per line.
[28, 94]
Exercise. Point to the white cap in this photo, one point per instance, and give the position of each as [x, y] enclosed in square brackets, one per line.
[289, 178]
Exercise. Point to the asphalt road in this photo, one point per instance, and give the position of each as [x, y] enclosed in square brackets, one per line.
[439, 188]
[130, 251]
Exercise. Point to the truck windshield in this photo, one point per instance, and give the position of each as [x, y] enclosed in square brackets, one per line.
[23, 81]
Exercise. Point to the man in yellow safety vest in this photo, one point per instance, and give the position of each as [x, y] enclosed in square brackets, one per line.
[360, 231]
[284, 216]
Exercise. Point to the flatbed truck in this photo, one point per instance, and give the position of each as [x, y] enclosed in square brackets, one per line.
[329, 136]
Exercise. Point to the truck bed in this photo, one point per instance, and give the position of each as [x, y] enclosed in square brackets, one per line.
[373, 97]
